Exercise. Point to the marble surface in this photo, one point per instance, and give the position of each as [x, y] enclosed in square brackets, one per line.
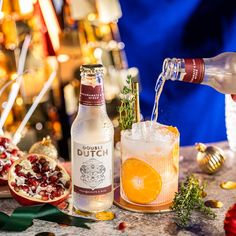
[152, 224]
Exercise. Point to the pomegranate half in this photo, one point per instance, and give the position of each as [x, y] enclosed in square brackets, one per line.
[36, 179]
[8, 154]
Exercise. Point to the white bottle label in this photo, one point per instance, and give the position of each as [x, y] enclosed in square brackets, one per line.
[92, 168]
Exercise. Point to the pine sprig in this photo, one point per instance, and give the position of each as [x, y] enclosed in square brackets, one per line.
[126, 109]
[189, 199]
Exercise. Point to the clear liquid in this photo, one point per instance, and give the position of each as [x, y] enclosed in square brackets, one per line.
[158, 89]
[92, 126]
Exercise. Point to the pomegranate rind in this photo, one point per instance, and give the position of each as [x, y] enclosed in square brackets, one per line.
[27, 200]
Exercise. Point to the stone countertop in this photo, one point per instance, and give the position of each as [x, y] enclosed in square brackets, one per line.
[152, 224]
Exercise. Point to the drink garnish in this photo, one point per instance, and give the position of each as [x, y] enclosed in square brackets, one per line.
[127, 107]
[189, 199]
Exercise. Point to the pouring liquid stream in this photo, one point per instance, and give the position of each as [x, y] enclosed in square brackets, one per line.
[158, 89]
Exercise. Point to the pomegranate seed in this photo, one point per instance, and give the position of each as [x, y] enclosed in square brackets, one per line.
[57, 168]
[53, 178]
[45, 168]
[18, 168]
[122, 226]
[67, 184]
[20, 174]
[32, 158]
[35, 183]
[24, 188]
[36, 169]
[4, 141]
[33, 188]
[29, 175]
[44, 178]
[59, 187]
[13, 184]
[6, 167]
[53, 195]
[3, 155]
[42, 192]
[14, 152]
[59, 174]
[39, 176]
[45, 198]
[43, 184]
[60, 192]
[16, 188]
[57, 194]
[42, 160]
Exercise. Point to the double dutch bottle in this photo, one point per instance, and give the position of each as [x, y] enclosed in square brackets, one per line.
[92, 145]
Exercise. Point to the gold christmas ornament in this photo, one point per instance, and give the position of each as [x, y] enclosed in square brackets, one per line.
[210, 159]
[45, 147]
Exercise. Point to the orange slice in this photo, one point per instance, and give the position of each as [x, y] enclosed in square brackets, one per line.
[140, 182]
[173, 130]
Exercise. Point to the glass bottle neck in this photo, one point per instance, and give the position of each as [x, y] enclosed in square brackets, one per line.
[188, 70]
[91, 90]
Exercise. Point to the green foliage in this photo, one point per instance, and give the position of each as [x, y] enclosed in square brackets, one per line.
[189, 199]
[126, 109]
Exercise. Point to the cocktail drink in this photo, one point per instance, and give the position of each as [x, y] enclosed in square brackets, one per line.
[150, 164]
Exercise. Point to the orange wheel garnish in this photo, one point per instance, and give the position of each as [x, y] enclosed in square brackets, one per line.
[140, 182]
[173, 130]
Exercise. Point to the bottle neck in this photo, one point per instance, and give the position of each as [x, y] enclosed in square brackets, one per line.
[91, 90]
[188, 70]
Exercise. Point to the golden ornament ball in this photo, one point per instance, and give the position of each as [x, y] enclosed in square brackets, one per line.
[45, 147]
[210, 158]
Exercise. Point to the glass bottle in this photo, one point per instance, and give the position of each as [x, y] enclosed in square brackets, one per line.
[218, 72]
[92, 138]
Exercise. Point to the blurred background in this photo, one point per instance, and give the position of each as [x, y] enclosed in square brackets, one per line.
[127, 37]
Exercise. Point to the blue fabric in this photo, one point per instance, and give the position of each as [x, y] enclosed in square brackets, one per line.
[153, 30]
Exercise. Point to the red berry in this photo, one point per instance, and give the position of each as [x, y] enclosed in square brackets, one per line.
[122, 226]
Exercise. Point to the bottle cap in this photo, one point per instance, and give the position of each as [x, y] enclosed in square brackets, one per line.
[91, 68]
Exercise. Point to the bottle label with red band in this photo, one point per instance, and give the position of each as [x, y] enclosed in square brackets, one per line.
[91, 96]
[194, 70]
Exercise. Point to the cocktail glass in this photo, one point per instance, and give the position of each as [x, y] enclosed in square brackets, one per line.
[149, 164]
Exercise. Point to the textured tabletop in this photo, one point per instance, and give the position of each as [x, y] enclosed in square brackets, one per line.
[152, 224]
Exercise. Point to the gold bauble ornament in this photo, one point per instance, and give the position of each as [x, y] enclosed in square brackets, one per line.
[210, 159]
[45, 147]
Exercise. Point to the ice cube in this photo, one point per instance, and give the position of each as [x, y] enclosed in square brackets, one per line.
[136, 131]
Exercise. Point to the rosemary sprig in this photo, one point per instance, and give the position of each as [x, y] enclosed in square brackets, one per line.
[126, 109]
[189, 199]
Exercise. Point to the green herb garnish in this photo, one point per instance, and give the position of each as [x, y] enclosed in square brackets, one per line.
[189, 199]
[127, 107]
